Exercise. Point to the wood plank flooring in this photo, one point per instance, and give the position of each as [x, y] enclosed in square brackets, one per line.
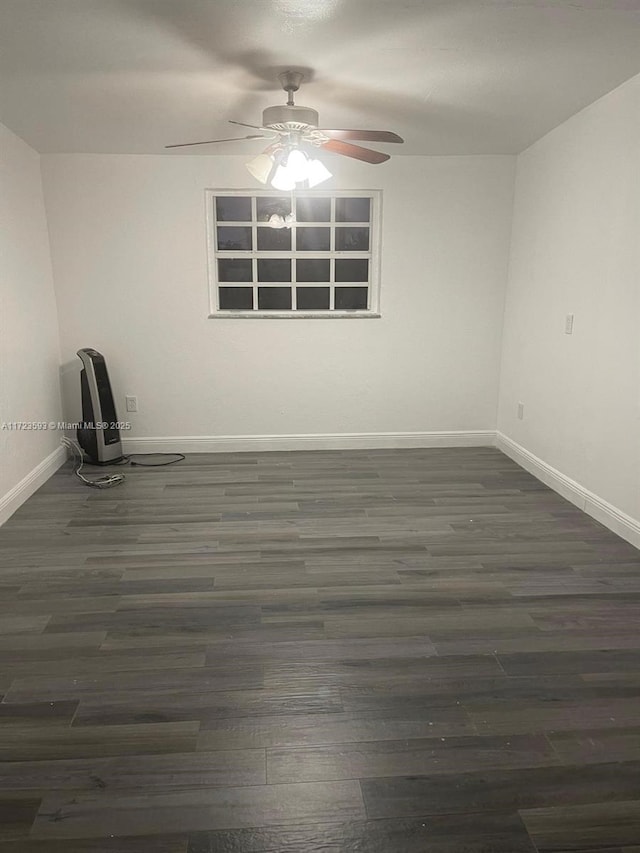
[405, 651]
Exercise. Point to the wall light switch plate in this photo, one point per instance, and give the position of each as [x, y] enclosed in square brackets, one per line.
[132, 404]
[520, 411]
[568, 324]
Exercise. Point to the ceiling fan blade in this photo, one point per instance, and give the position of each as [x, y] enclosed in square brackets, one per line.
[244, 124]
[355, 151]
[211, 141]
[364, 135]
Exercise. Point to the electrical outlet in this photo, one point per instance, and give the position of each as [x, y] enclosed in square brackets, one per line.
[568, 324]
[521, 411]
[132, 404]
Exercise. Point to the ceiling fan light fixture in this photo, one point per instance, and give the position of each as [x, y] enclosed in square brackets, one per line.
[286, 170]
[317, 172]
[297, 165]
[283, 179]
[261, 167]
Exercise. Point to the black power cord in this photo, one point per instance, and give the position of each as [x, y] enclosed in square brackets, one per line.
[130, 459]
[109, 480]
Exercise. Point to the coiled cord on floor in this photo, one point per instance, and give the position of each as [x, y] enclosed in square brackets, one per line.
[107, 481]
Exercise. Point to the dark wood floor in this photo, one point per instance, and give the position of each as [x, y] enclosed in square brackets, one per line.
[422, 651]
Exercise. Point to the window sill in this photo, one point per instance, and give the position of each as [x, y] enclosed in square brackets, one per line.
[296, 315]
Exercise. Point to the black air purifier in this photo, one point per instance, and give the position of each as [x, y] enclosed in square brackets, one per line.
[98, 434]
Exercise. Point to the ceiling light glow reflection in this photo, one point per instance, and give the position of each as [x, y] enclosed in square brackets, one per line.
[307, 10]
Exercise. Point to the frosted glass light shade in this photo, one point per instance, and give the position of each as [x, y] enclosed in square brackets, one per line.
[298, 165]
[283, 179]
[260, 167]
[317, 172]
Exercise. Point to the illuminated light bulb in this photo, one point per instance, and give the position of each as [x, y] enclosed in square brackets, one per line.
[298, 165]
[317, 172]
[282, 180]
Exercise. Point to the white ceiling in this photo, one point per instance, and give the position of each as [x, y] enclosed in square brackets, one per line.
[450, 76]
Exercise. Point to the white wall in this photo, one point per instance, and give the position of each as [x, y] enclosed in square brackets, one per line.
[29, 351]
[575, 249]
[129, 257]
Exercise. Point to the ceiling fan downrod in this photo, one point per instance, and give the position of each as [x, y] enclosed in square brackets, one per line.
[290, 82]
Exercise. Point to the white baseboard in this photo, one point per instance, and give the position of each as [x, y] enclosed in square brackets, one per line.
[327, 441]
[615, 519]
[16, 496]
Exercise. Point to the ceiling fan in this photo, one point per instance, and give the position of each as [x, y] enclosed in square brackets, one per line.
[294, 132]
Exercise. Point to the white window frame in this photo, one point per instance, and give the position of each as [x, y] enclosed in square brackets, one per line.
[373, 255]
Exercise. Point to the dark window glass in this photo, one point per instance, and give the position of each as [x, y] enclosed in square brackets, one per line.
[311, 239]
[313, 209]
[274, 298]
[312, 298]
[313, 269]
[234, 269]
[236, 298]
[236, 209]
[351, 298]
[352, 239]
[352, 269]
[274, 269]
[267, 206]
[234, 238]
[353, 209]
[274, 239]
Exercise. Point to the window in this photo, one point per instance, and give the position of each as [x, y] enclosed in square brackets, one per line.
[311, 254]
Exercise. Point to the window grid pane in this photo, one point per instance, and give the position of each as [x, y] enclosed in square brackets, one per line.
[313, 269]
[351, 298]
[313, 298]
[236, 298]
[352, 239]
[353, 209]
[274, 298]
[274, 239]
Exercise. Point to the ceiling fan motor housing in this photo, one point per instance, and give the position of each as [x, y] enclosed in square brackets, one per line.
[284, 114]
